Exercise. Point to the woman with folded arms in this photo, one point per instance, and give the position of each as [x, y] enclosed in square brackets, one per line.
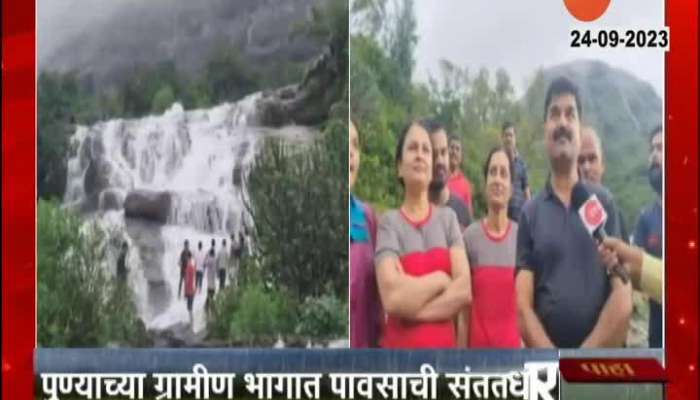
[421, 266]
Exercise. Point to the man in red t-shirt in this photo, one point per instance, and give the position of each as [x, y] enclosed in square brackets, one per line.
[190, 286]
[458, 183]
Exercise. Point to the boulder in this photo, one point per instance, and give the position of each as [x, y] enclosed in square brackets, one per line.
[307, 103]
[148, 205]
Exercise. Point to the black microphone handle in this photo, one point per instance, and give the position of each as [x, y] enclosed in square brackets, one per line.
[600, 235]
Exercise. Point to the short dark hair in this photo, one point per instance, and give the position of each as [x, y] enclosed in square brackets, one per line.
[507, 125]
[657, 129]
[487, 163]
[561, 86]
[451, 137]
[430, 125]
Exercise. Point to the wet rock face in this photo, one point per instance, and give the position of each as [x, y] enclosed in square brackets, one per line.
[307, 103]
[111, 199]
[148, 239]
[148, 205]
[97, 176]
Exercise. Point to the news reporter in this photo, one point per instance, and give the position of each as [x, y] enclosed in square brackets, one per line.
[421, 266]
[645, 270]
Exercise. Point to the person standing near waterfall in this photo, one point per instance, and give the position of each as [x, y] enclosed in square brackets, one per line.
[122, 270]
[210, 268]
[235, 256]
[190, 284]
[199, 262]
[222, 263]
[185, 256]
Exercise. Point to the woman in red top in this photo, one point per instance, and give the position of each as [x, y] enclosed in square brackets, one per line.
[491, 246]
[422, 269]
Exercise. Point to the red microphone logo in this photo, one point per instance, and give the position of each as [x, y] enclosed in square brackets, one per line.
[593, 214]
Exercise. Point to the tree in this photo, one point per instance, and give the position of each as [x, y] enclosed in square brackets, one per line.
[163, 99]
[303, 243]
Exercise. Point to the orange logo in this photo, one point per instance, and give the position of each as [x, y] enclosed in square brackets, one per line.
[587, 10]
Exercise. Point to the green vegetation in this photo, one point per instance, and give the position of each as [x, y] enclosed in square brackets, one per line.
[475, 104]
[80, 305]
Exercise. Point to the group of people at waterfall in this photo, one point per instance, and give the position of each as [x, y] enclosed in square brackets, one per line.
[212, 263]
[530, 272]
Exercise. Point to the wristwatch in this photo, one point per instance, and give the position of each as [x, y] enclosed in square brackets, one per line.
[619, 271]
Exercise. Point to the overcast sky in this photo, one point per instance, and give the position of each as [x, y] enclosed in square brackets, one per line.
[521, 36]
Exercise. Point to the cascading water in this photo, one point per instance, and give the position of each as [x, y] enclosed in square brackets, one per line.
[155, 182]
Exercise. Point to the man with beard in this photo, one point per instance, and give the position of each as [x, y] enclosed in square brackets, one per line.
[457, 183]
[520, 187]
[648, 233]
[565, 297]
[439, 191]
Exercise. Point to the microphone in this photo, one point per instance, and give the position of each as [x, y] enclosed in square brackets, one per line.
[594, 216]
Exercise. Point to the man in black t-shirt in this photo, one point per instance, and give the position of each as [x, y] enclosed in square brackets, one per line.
[185, 255]
[565, 298]
[439, 191]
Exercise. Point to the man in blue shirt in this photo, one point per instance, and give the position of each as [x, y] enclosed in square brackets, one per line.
[521, 187]
[649, 233]
[565, 298]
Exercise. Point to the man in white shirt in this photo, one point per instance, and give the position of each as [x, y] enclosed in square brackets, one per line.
[222, 260]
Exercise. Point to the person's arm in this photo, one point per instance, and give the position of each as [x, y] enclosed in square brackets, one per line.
[645, 271]
[531, 329]
[613, 322]
[456, 297]
[403, 295]
[526, 182]
[651, 277]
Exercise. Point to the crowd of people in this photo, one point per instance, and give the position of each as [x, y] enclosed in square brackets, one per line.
[528, 273]
[211, 263]
[195, 265]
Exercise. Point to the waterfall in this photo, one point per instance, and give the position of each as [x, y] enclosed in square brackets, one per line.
[159, 180]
